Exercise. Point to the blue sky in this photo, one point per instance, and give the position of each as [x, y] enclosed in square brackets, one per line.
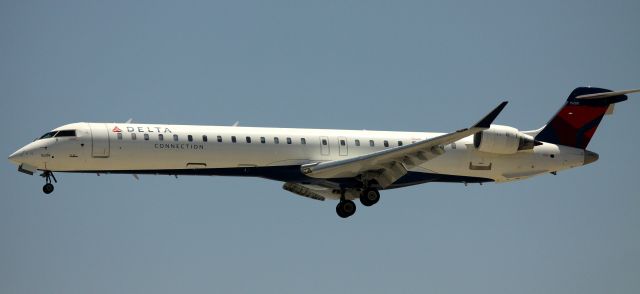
[401, 65]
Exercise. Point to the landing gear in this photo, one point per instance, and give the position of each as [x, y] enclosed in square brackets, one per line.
[345, 208]
[369, 196]
[48, 187]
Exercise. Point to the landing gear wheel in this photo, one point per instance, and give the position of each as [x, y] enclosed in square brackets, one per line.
[369, 197]
[47, 188]
[345, 208]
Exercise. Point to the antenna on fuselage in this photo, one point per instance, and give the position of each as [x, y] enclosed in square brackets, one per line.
[128, 121]
[235, 124]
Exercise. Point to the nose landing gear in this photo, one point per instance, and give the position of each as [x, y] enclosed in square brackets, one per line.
[48, 187]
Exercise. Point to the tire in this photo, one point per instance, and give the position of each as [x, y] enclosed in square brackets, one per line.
[340, 212]
[47, 188]
[345, 208]
[369, 197]
[348, 207]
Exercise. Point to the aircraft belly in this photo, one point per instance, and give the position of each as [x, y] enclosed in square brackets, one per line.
[472, 163]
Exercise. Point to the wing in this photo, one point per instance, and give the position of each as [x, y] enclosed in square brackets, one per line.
[388, 165]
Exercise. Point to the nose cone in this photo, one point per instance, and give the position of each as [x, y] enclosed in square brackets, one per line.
[590, 157]
[15, 157]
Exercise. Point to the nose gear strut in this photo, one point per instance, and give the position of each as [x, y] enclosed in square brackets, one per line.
[48, 187]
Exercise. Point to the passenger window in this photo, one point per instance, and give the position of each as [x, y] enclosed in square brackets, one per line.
[263, 140]
[248, 139]
[161, 137]
[119, 135]
[190, 138]
[146, 137]
[233, 139]
[399, 143]
[371, 143]
[276, 140]
[175, 138]
[357, 142]
[204, 138]
[324, 142]
[303, 141]
[133, 136]
[220, 139]
[342, 142]
[386, 143]
[288, 140]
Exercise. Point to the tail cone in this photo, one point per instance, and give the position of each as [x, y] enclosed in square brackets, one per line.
[590, 157]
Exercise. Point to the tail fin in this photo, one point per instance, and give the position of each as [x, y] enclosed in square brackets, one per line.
[578, 119]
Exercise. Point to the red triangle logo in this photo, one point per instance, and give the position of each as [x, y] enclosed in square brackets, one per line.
[116, 130]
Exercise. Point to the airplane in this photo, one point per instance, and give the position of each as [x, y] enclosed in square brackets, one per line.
[320, 164]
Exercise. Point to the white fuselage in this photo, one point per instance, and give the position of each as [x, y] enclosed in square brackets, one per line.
[174, 149]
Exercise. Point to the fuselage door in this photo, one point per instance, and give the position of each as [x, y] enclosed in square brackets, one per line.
[342, 145]
[99, 140]
[324, 145]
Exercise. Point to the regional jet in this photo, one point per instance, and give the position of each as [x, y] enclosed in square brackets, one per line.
[320, 164]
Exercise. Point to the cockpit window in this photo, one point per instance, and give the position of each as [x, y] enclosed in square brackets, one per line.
[66, 133]
[48, 135]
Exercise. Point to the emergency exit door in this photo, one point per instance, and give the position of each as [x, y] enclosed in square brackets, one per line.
[99, 140]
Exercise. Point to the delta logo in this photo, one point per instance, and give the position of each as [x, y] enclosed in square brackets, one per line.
[116, 129]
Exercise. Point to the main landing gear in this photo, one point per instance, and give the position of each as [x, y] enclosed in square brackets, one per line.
[369, 197]
[347, 208]
[48, 187]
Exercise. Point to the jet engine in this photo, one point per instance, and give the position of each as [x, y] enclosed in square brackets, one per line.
[502, 140]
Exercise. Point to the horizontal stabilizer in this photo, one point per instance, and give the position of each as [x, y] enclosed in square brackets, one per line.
[607, 94]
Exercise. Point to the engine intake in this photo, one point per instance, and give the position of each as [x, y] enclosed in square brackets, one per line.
[502, 140]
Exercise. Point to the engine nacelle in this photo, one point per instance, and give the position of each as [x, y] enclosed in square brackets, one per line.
[502, 140]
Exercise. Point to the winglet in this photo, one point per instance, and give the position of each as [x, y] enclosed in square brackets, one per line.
[486, 121]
